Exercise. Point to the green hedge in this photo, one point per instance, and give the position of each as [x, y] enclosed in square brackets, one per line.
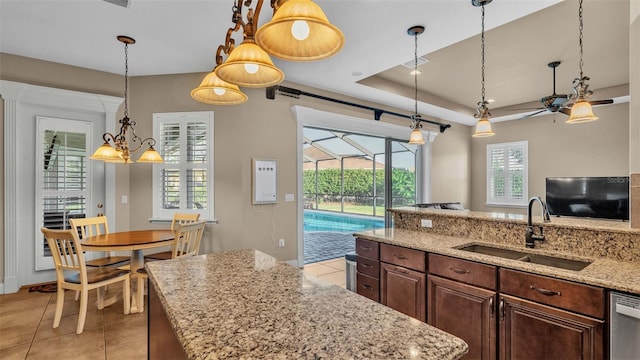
[359, 182]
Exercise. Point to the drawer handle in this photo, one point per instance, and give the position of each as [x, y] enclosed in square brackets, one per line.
[545, 291]
[367, 287]
[366, 265]
[365, 248]
[401, 257]
[459, 271]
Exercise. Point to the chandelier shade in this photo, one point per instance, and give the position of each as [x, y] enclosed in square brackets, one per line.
[483, 128]
[300, 31]
[581, 112]
[249, 66]
[416, 137]
[215, 91]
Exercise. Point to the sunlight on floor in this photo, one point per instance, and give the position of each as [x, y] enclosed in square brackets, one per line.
[333, 271]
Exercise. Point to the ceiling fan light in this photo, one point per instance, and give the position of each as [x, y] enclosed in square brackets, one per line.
[483, 128]
[234, 70]
[581, 112]
[416, 137]
[300, 31]
[214, 91]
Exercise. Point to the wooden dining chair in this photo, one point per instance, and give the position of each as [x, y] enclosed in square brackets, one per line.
[91, 226]
[178, 219]
[187, 238]
[69, 257]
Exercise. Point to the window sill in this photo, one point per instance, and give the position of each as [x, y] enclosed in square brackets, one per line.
[168, 221]
[515, 206]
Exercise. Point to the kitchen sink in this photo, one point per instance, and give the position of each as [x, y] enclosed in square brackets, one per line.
[546, 260]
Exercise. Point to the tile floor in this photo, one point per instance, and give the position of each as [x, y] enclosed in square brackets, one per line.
[26, 321]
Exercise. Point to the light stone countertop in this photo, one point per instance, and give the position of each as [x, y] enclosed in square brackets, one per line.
[611, 274]
[247, 305]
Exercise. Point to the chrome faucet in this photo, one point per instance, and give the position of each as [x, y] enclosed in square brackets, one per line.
[530, 235]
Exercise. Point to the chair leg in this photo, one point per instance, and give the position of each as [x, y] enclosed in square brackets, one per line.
[82, 315]
[59, 306]
[77, 295]
[140, 298]
[101, 291]
[126, 295]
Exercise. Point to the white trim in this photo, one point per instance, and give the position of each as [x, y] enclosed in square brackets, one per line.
[16, 96]
[327, 120]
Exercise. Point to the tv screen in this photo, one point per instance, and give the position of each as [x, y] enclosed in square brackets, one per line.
[593, 197]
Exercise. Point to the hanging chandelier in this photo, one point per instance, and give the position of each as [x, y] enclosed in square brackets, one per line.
[298, 31]
[581, 111]
[483, 126]
[416, 133]
[120, 152]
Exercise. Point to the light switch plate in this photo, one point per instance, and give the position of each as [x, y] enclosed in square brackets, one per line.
[289, 197]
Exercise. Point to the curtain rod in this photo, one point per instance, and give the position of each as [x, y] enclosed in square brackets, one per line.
[377, 113]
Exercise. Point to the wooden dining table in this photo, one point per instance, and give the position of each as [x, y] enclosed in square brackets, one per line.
[134, 241]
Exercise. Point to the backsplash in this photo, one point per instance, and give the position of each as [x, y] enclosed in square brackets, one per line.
[580, 237]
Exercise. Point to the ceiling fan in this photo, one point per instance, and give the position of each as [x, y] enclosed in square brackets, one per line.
[559, 102]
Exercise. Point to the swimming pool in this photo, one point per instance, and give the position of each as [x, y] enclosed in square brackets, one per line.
[339, 222]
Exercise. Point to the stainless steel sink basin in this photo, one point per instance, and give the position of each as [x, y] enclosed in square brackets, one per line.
[557, 262]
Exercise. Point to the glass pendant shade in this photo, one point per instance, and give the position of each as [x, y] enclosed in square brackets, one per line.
[483, 128]
[300, 31]
[214, 91]
[249, 66]
[105, 152]
[150, 156]
[416, 137]
[581, 112]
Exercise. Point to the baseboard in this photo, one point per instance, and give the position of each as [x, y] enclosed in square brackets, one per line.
[293, 263]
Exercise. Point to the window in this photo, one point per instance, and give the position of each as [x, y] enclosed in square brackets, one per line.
[184, 182]
[507, 174]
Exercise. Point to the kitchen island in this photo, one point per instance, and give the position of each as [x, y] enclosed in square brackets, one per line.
[247, 305]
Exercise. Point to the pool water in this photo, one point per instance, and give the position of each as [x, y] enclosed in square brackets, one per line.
[340, 222]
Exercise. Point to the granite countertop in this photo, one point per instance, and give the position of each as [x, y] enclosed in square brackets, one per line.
[247, 305]
[612, 274]
[576, 223]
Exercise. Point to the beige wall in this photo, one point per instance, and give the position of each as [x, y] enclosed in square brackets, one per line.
[450, 165]
[599, 148]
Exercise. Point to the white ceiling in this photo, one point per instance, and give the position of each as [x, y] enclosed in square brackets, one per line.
[182, 37]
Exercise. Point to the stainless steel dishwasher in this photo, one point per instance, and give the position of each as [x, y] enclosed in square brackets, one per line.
[625, 327]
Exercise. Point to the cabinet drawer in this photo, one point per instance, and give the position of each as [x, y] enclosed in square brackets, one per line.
[368, 266]
[368, 287]
[580, 298]
[409, 258]
[367, 248]
[465, 271]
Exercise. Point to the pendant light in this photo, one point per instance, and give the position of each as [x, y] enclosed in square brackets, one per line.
[215, 91]
[249, 66]
[416, 133]
[299, 31]
[120, 151]
[483, 126]
[581, 111]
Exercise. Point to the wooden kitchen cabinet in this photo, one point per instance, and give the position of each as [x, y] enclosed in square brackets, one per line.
[464, 304]
[368, 269]
[530, 330]
[403, 290]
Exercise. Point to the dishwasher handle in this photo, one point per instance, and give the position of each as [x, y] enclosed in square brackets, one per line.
[628, 310]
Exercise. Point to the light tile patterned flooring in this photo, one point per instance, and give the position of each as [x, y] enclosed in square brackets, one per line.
[26, 321]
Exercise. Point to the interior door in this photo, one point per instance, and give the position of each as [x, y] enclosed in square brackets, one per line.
[65, 183]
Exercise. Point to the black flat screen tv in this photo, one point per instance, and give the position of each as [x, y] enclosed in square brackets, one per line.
[592, 197]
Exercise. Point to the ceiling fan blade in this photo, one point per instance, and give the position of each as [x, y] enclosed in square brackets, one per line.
[601, 102]
[532, 114]
[565, 111]
[527, 109]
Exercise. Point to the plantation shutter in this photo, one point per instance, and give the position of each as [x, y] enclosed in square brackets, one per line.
[507, 173]
[183, 183]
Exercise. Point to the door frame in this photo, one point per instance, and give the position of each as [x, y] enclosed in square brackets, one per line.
[18, 98]
[332, 121]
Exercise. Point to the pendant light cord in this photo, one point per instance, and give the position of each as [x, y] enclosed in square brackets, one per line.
[126, 79]
[415, 76]
[482, 55]
[580, 37]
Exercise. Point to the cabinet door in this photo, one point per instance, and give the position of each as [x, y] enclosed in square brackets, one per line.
[465, 311]
[403, 290]
[532, 331]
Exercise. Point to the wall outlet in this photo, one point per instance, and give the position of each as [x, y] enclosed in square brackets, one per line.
[124, 199]
[289, 197]
[281, 243]
[426, 223]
